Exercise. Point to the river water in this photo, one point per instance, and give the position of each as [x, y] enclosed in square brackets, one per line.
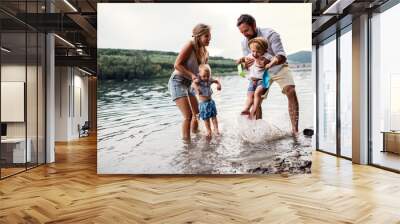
[139, 131]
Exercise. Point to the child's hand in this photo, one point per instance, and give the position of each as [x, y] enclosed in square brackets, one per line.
[271, 63]
[268, 66]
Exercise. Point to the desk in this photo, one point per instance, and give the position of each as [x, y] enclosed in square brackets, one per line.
[15, 148]
[391, 141]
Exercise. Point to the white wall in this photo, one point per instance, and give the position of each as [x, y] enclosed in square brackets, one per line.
[16, 73]
[12, 101]
[33, 126]
[70, 83]
[61, 103]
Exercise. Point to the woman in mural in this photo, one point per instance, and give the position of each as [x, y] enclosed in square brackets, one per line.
[193, 53]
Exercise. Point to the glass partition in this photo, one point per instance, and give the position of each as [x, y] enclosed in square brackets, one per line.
[22, 88]
[327, 96]
[13, 103]
[31, 97]
[346, 92]
[41, 87]
[385, 89]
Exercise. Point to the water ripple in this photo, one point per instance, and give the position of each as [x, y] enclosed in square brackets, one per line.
[139, 129]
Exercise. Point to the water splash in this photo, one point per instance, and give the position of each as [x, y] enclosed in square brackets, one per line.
[256, 131]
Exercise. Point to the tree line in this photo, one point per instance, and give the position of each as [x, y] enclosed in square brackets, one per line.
[121, 64]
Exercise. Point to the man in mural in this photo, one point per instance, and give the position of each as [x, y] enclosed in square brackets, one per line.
[279, 70]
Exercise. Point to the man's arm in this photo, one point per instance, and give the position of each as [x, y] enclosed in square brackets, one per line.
[277, 48]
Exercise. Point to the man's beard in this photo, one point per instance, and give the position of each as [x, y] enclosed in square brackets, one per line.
[254, 36]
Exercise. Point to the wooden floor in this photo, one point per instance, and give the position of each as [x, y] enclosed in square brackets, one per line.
[70, 191]
[387, 159]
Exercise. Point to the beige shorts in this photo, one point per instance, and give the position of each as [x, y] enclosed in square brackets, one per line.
[284, 78]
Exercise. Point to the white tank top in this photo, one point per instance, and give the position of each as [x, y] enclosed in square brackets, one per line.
[191, 64]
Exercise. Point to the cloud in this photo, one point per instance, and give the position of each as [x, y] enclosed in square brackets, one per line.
[215, 51]
[167, 27]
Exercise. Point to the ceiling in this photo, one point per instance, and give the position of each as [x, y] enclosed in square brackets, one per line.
[76, 22]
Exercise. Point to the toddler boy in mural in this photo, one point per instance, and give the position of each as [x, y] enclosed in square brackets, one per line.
[207, 108]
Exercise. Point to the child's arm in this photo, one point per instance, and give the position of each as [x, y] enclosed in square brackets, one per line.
[273, 61]
[216, 82]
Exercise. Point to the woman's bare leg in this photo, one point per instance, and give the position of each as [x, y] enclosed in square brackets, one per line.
[215, 124]
[249, 102]
[195, 112]
[184, 107]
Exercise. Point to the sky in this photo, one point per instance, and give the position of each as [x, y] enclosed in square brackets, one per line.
[168, 26]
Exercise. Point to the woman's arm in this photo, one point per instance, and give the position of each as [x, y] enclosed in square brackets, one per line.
[196, 86]
[183, 55]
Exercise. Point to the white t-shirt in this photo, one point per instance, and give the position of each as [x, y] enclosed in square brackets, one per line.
[255, 71]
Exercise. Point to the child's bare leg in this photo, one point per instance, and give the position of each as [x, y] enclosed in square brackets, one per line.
[215, 124]
[249, 102]
[257, 101]
[208, 127]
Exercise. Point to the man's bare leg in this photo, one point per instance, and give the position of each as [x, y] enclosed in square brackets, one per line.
[293, 107]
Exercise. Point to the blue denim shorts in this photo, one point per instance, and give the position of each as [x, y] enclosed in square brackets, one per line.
[180, 86]
[207, 109]
[253, 85]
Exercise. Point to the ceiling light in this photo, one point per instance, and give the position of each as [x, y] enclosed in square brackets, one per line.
[70, 5]
[5, 50]
[64, 40]
[86, 72]
[338, 6]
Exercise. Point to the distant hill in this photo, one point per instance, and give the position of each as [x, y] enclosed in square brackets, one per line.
[300, 57]
[120, 64]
